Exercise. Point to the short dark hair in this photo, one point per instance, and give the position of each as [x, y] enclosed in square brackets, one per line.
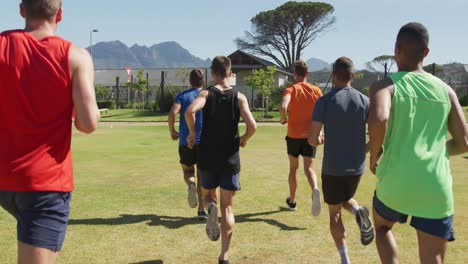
[197, 78]
[41, 9]
[413, 40]
[343, 69]
[301, 68]
[221, 66]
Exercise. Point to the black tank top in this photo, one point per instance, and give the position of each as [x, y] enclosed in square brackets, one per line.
[219, 142]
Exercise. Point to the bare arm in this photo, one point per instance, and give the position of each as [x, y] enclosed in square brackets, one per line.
[171, 120]
[196, 106]
[380, 105]
[284, 108]
[315, 137]
[248, 119]
[84, 98]
[457, 126]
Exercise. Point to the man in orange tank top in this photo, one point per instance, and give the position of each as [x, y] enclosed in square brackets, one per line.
[299, 99]
[45, 81]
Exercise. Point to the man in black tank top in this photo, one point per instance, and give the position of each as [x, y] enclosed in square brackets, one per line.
[219, 162]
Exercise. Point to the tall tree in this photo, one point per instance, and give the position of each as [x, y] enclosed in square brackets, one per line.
[383, 63]
[282, 34]
[262, 79]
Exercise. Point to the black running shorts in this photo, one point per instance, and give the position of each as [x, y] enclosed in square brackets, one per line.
[300, 146]
[338, 189]
[188, 157]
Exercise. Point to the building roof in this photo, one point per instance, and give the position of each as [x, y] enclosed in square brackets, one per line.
[243, 60]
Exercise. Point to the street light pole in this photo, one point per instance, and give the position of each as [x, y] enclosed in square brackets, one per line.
[91, 41]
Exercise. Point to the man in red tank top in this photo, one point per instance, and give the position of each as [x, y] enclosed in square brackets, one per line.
[45, 81]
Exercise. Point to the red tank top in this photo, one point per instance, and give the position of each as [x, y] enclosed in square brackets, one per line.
[35, 113]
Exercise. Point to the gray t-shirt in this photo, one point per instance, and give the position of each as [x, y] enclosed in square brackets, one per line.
[344, 115]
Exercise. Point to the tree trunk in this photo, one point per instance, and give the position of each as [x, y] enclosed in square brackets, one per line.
[265, 110]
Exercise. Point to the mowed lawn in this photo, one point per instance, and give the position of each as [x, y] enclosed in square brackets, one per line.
[132, 115]
[130, 207]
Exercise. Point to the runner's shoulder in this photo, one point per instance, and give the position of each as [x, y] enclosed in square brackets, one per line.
[78, 56]
[383, 84]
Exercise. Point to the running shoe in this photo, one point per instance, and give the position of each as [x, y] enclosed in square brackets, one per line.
[192, 195]
[212, 227]
[365, 225]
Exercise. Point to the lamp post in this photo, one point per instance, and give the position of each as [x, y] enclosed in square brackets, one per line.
[91, 41]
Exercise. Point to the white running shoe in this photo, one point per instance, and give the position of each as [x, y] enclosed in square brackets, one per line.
[212, 227]
[316, 205]
[192, 195]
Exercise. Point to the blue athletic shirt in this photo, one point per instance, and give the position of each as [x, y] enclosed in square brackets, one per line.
[343, 113]
[185, 99]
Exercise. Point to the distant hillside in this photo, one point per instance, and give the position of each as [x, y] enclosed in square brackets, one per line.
[116, 55]
[317, 64]
[453, 73]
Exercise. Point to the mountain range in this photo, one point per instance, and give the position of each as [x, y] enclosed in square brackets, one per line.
[116, 55]
[318, 65]
[169, 54]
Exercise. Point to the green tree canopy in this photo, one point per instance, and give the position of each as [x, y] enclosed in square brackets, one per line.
[434, 68]
[140, 84]
[283, 33]
[262, 79]
[102, 92]
[383, 63]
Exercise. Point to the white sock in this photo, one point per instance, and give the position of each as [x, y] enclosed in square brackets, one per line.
[344, 255]
[355, 209]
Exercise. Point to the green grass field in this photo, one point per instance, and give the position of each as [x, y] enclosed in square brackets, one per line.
[129, 115]
[130, 207]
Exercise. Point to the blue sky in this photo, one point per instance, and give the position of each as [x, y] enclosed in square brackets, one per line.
[364, 28]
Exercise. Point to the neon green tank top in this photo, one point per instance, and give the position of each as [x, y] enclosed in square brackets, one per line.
[414, 172]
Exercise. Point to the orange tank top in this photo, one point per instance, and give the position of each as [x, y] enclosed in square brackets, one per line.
[35, 113]
[303, 99]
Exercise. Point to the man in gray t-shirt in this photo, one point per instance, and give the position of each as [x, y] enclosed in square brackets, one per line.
[343, 112]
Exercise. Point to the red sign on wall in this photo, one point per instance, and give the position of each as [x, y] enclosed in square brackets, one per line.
[129, 73]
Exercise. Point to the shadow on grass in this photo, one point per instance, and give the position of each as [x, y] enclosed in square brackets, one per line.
[149, 262]
[176, 222]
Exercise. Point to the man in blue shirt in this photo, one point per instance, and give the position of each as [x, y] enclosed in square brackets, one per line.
[188, 157]
[343, 112]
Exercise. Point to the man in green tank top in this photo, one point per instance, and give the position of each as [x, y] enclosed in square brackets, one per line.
[410, 115]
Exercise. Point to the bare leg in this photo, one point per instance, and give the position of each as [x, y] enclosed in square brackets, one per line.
[199, 192]
[337, 229]
[348, 205]
[431, 248]
[189, 174]
[338, 232]
[209, 196]
[227, 221]
[28, 254]
[293, 166]
[310, 173]
[386, 243]
[312, 178]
